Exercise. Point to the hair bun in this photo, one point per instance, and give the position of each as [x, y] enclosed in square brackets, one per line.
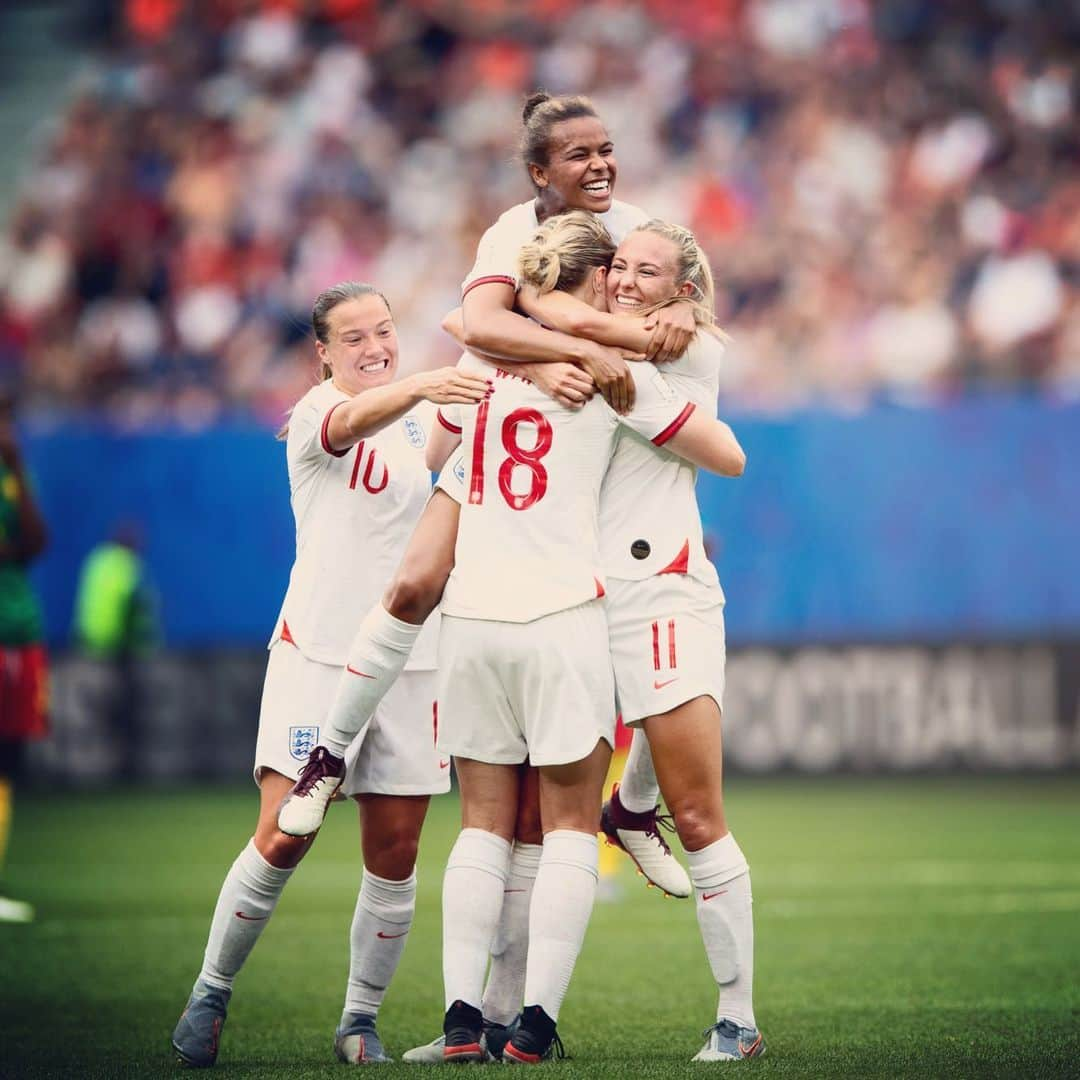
[532, 103]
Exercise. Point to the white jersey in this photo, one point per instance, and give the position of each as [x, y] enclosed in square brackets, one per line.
[355, 510]
[528, 542]
[649, 517]
[499, 248]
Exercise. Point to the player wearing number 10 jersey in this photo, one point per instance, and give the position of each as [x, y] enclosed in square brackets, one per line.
[524, 665]
[358, 483]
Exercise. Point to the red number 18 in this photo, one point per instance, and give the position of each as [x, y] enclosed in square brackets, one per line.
[529, 457]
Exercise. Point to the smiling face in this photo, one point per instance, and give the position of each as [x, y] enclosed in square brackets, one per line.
[581, 168]
[644, 272]
[362, 346]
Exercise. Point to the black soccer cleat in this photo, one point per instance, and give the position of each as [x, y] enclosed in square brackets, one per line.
[535, 1039]
[462, 1027]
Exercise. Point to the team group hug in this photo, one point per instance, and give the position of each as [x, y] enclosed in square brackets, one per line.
[555, 578]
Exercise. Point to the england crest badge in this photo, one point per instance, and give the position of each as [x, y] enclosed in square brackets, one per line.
[414, 432]
[302, 740]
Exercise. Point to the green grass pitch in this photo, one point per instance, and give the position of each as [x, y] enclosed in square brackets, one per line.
[925, 928]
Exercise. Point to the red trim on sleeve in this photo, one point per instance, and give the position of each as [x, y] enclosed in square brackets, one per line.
[673, 428]
[502, 279]
[324, 434]
[286, 635]
[680, 564]
[452, 428]
[599, 588]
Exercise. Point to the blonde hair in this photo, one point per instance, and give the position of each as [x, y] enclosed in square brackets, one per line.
[563, 251]
[691, 266]
[325, 302]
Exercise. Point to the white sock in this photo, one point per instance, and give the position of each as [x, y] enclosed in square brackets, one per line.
[376, 656]
[721, 880]
[638, 790]
[561, 905]
[472, 898]
[247, 899]
[380, 928]
[505, 988]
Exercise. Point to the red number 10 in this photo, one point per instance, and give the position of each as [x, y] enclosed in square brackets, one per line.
[529, 457]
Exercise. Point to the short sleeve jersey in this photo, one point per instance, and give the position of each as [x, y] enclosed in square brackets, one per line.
[355, 511]
[20, 614]
[528, 541]
[497, 253]
[650, 522]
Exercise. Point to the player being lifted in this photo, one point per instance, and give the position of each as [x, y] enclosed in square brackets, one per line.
[358, 482]
[525, 670]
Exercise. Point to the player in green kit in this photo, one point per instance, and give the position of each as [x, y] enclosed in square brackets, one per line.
[23, 688]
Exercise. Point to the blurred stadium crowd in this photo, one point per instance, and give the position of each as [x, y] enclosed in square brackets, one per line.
[889, 192]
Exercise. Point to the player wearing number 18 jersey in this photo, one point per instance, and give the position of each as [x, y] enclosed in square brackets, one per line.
[523, 656]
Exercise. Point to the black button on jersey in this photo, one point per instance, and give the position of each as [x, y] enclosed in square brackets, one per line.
[640, 549]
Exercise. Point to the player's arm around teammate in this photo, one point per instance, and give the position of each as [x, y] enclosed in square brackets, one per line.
[358, 482]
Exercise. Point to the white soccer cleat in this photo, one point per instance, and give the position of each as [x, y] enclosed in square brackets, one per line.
[357, 1042]
[429, 1054]
[639, 836]
[729, 1042]
[304, 807]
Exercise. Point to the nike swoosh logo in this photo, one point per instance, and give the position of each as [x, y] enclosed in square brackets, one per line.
[252, 918]
[749, 1051]
[666, 682]
[710, 895]
[388, 937]
[353, 671]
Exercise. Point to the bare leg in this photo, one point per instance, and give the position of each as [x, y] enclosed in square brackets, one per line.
[687, 750]
[382, 645]
[390, 834]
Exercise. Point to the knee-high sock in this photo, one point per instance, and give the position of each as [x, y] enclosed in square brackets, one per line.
[472, 899]
[638, 789]
[247, 899]
[721, 880]
[561, 906]
[504, 993]
[380, 928]
[376, 656]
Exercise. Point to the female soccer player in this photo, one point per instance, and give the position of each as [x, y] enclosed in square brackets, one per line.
[665, 617]
[523, 656]
[358, 480]
[571, 164]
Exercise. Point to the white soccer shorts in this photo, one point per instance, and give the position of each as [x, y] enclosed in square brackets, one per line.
[394, 755]
[541, 690]
[667, 643]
